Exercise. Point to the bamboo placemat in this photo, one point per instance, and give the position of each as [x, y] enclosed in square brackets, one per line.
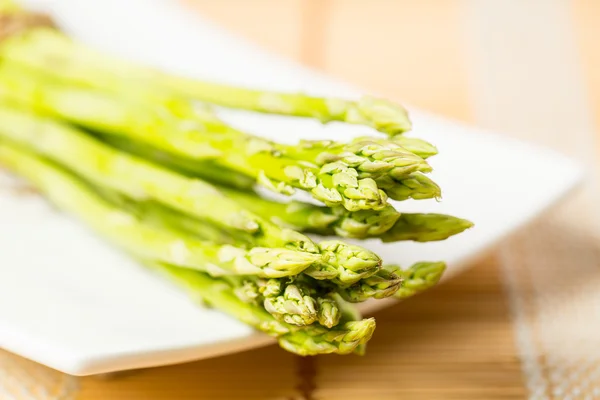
[529, 68]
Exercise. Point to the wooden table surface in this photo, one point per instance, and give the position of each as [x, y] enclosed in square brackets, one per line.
[456, 342]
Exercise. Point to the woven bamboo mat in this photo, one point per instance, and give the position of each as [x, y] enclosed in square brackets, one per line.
[529, 68]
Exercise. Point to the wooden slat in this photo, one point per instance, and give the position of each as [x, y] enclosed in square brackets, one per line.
[254, 375]
[455, 342]
[274, 24]
[409, 50]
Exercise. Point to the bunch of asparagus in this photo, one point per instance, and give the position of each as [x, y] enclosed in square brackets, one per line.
[142, 158]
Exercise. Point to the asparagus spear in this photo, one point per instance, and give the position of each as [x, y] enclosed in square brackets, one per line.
[309, 340]
[295, 306]
[364, 159]
[393, 281]
[370, 163]
[416, 186]
[283, 305]
[343, 339]
[294, 302]
[300, 302]
[207, 170]
[381, 285]
[354, 264]
[137, 178]
[317, 219]
[387, 224]
[419, 277]
[425, 227]
[371, 158]
[416, 146]
[159, 216]
[106, 113]
[50, 51]
[334, 183]
[218, 293]
[125, 230]
[287, 301]
[328, 311]
[348, 315]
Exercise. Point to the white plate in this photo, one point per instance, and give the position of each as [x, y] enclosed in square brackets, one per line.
[70, 302]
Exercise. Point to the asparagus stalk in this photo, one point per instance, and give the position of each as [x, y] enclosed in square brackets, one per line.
[370, 161]
[393, 281]
[384, 283]
[317, 219]
[207, 170]
[136, 178]
[290, 307]
[334, 183]
[218, 293]
[344, 264]
[294, 302]
[371, 158]
[159, 216]
[127, 231]
[387, 224]
[139, 179]
[106, 113]
[309, 340]
[364, 277]
[50, 51]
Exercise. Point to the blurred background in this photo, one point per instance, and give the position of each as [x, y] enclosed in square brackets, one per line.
[518, 325]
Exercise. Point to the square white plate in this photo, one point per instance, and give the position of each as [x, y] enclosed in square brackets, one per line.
[69, 301]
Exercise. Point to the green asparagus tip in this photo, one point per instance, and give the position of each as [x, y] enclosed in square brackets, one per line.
[381, 114]
[343, 263]
[384, 283]
[269, 262]
[415, 186]
[329, 313]
[351, 257]
[421, 276]
[248, 292]
[417, 146]
[343, 339]
[270, 287]
[364, 223]
[294, 307]
[425, 227]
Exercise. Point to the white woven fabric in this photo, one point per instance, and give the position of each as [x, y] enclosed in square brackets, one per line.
[527, 81]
